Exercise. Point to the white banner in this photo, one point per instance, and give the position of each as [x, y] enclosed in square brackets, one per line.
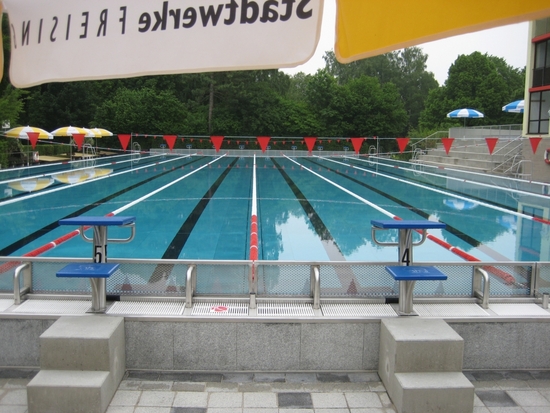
[66, 40]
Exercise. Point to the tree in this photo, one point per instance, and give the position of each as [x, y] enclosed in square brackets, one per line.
[477, 81]
[405, 68]
[144, 111]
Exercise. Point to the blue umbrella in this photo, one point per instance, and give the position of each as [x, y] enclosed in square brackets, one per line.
[514, 107]
[465, 113]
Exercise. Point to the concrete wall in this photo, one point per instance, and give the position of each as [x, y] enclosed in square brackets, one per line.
[230, 345]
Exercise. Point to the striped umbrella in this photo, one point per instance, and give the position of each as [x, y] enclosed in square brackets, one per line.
[100, 132]
[516, 106]
[69, 131]
[21, 133]
[465, 113]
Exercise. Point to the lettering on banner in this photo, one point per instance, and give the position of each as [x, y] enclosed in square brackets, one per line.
[85, 24]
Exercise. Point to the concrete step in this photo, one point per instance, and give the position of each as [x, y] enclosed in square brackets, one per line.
[412, 344]
[449, 392]
[70, 391]
[93, 343]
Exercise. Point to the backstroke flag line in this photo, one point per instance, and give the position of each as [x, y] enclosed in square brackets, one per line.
[68, 40]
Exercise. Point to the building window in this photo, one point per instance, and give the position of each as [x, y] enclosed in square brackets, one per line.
[538, 112]
[541, 69]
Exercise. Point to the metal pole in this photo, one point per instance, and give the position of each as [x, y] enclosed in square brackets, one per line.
[99, 285]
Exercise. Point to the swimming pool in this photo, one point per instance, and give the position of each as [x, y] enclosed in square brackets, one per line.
[309, 208]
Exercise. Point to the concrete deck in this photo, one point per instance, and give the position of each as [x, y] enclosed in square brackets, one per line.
[170, 392]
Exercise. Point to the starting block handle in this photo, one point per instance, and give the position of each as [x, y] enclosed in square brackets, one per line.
[132, 226]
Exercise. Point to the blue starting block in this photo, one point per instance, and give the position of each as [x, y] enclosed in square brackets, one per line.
[415, 273]
[88, 270]
[407, 274]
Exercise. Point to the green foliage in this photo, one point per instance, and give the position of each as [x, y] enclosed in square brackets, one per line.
[477, 81]
[144, 111]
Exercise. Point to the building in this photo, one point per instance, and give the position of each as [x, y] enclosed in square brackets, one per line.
[537, 97]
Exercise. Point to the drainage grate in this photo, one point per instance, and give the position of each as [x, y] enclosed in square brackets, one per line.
[146, 308]
[5, 304]
[274, 309]
[54, 307]
[358, 310]
[219, 309]
[518, 309]
[450, 310]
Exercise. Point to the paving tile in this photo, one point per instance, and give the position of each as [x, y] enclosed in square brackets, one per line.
[495, 398]
[333, 378]
[120, 409]
[514, 384]
[488, 375]
[125, 398]
[129, 385]
[296, 411]
[301, 378]
[156, 385]
[142, 375]
[156, 398]
[541, 375]
[238, 378]
[17, 384]
[188, 410]
[190, 399]
[261, 410]
[539, 384]
[333, 410]
[363, 400]
[481, 409]
[14, 396]
[224, 410]
[516, 409]
[217, 400]
[142, 409]
[13, 409]
[329, 400]
[175, 376]
[17, 373]
[363, 377]
[535, 409]
[294, 400]
[369, 410]
[252, 387]
[528, 398]
[259, 400]
[519, 375]
[207, 377]
[269, 377]
[187, 386]
[223, 387]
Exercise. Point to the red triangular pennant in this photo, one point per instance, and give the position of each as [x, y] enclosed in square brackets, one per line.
[217, 142]
[263, 141]
[33, 138]
[447, 143]
[79, 139]
[402, 143]
[310, 142]
[535, 143]
[491, 143]
[357, 142]
[124, 140]
[170, 140]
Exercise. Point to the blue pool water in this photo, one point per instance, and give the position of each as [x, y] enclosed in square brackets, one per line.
[205, 214]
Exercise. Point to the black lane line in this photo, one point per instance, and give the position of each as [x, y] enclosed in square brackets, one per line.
[435, 186]
[162, 271]
[320, 228]
[50, 227]
[465, 237]
[178, 242]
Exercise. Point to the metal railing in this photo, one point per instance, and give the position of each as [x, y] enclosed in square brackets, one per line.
[313, 282]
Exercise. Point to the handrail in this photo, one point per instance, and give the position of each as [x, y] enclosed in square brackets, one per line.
[190, 285]
[315, 286]
[26, 269]
[479, 292]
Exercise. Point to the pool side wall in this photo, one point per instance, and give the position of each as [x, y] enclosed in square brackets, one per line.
[232, 346]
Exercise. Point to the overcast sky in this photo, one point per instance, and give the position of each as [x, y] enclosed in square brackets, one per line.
[507, 42]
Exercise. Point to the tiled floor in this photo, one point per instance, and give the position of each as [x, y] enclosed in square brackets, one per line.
[160, 392]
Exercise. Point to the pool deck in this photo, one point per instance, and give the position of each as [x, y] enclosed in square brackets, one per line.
[171, 392]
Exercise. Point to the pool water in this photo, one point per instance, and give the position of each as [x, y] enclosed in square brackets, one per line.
[309, 209]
